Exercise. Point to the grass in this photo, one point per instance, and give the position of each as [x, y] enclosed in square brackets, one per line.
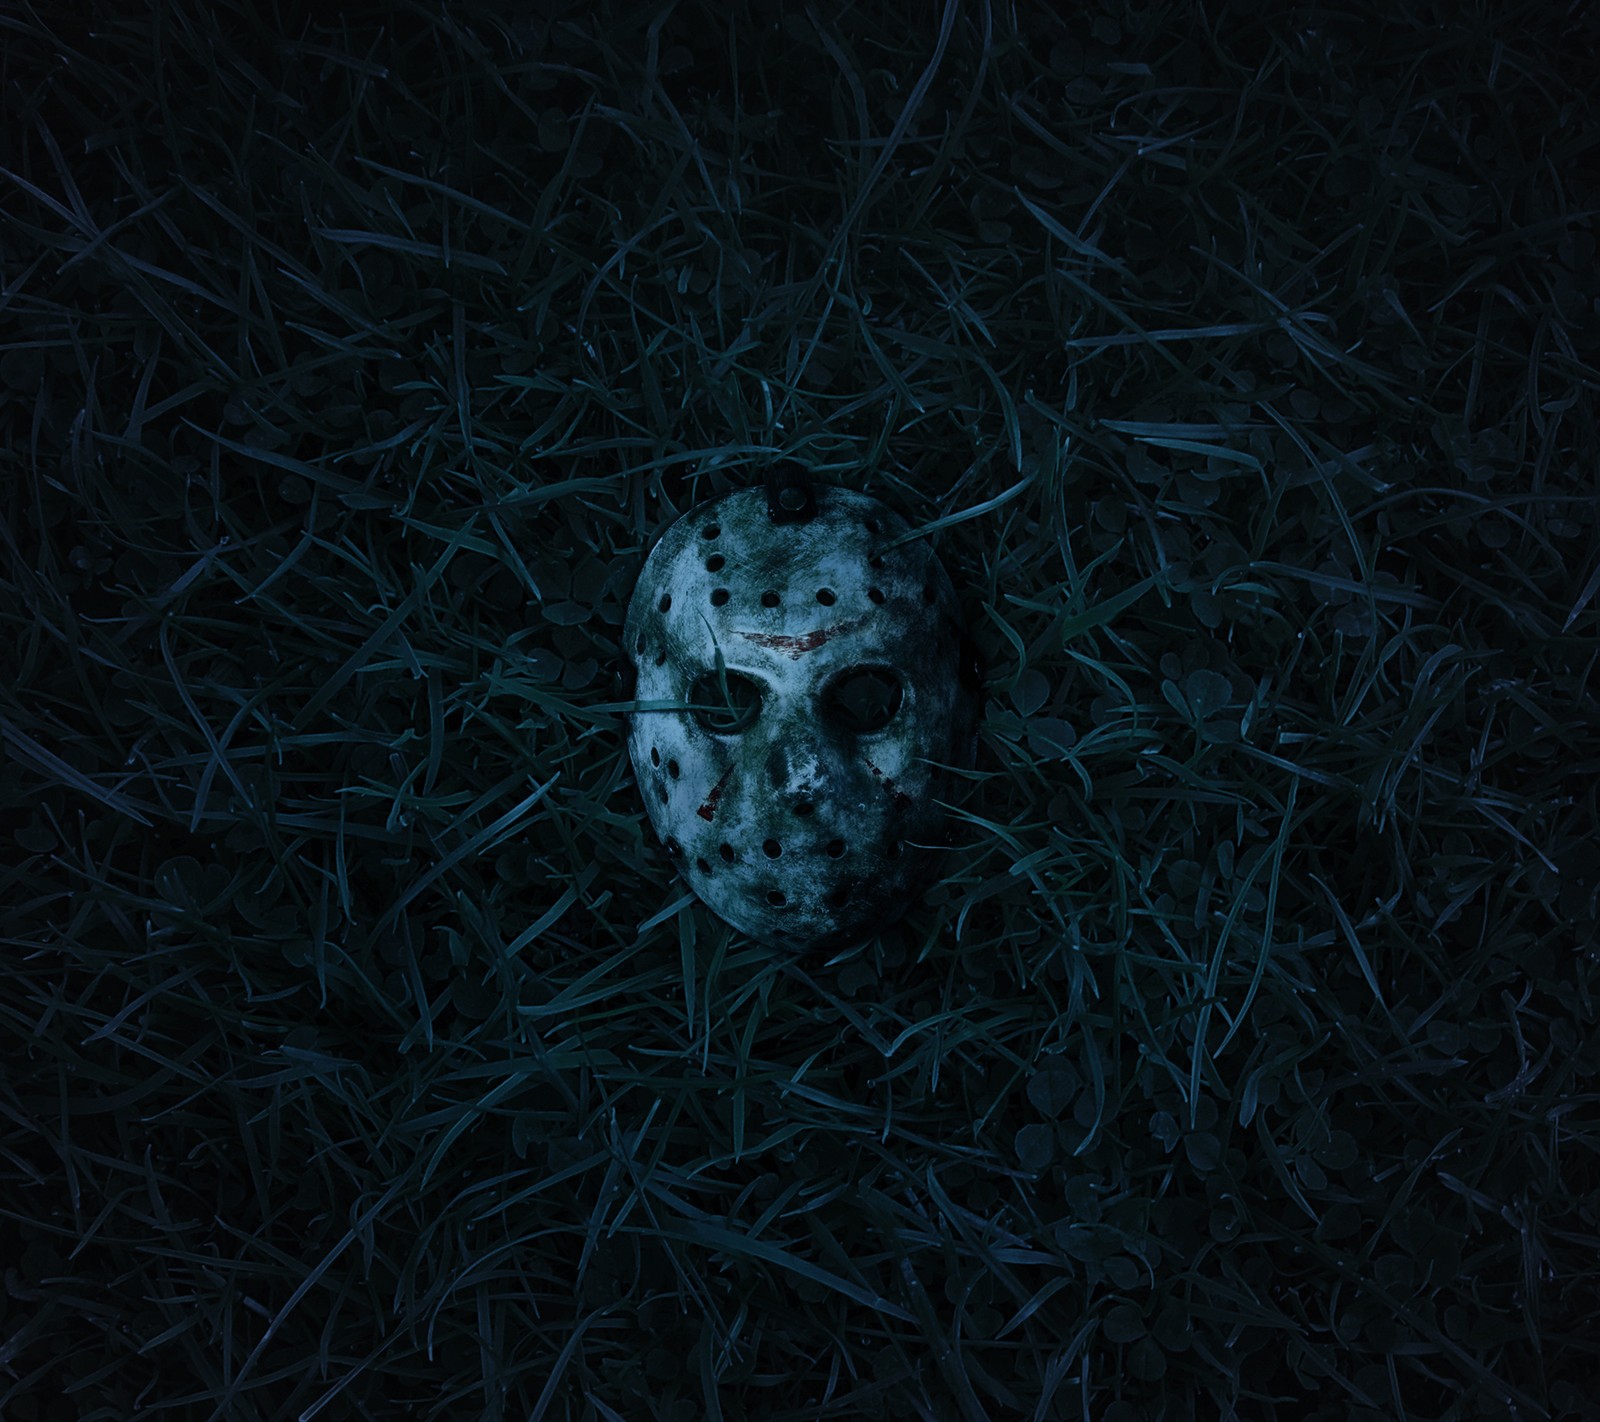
[363, 1057]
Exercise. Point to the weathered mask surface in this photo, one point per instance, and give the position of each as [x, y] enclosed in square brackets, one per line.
[814, 681]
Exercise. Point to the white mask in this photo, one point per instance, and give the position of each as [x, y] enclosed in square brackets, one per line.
[833, 682]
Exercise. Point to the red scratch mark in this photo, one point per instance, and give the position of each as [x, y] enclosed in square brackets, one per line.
[898, 798]
[707, 810]
[797, 646]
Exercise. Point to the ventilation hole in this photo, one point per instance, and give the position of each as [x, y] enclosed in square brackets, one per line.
[772, 848]
[719, 598]
[725, 705]
[929, 593]
[672, 769]
[835, 849]
[666, 602]
[715, 562]
[894, 849]
[710, 531]
[639, 645]
[838, 898]
[674, 848]
[876, 594]
[873, 525]
[661, 657]
[769, 599]
[727, 853]
[702, 866]
[661, 793]
[777, 898]
[875, 562]
[803, 807]
[825, 597]
[655, 756]
[861, 700]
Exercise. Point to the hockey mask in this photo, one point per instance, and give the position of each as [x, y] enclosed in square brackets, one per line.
[802, 687]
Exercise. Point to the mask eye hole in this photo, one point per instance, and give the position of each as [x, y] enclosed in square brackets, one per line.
[862, 700]
[727, 705]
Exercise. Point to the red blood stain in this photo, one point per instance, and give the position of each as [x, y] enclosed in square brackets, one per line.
[797, 646]
[898, 798]
[707, 810]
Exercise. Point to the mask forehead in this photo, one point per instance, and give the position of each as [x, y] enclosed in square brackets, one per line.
[795, 826]
[814, 595]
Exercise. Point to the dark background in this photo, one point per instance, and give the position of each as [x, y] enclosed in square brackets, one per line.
[362, 1055]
